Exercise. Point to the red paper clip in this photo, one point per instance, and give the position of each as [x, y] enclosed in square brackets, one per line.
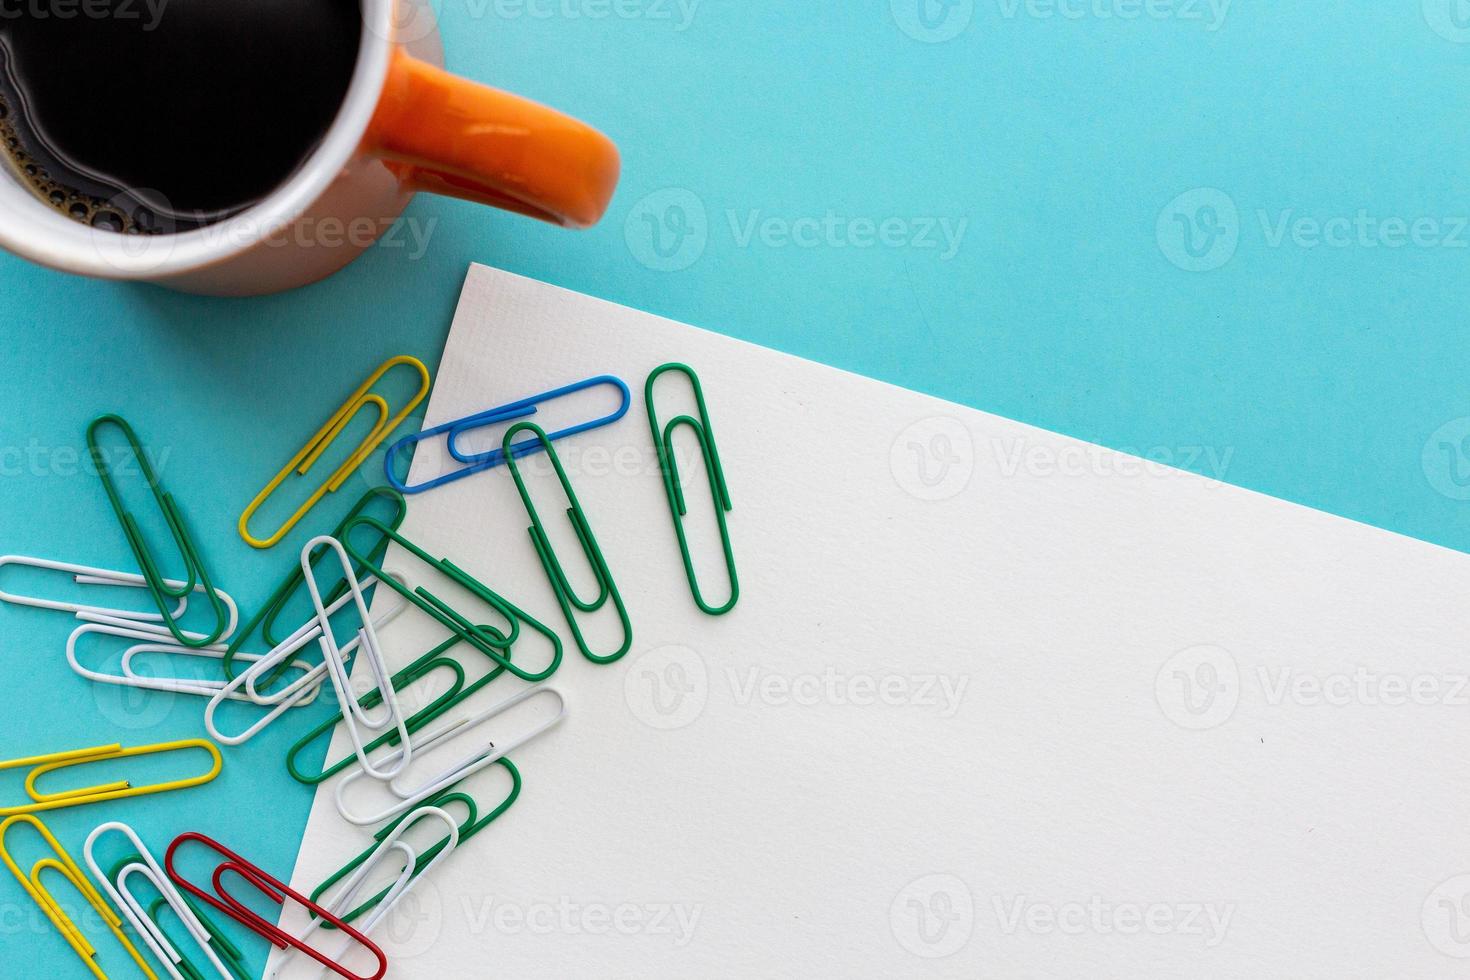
[276, 892]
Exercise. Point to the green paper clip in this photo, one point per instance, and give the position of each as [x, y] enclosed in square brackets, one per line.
[473, 824]
[492, 643]
[434, 660]
[152, 576]
[663, 443]
[565, 595]
[229, 953]
[265, 620]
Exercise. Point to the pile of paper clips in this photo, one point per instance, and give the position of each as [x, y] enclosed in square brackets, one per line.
[387, 739]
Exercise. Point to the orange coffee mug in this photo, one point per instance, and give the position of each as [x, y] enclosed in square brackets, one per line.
[406, 125]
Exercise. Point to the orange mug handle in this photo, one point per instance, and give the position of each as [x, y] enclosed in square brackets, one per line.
[448, 135]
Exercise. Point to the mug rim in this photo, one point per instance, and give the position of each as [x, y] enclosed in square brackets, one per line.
[34, 231]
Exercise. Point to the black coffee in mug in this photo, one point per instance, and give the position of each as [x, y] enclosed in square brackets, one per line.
[152, 116]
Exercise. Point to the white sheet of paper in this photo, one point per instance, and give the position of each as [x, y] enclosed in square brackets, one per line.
[994, 702]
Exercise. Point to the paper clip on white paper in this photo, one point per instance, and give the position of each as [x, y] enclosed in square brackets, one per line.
[485, 753]
[406, 881]
[137, 916]
[354, 715]
[308, 632]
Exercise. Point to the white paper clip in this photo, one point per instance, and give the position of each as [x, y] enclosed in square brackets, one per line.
[293, 693]
[137, 916]
[111, 618]
[407, 879]
[486, 752]
[153, 642]
[354, 715]
[88, 575]
[310, 631]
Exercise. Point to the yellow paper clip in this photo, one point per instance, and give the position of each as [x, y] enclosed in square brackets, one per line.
[326, 435]
[102, 792]
[63, 864]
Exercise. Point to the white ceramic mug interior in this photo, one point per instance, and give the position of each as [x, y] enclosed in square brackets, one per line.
[275, 244]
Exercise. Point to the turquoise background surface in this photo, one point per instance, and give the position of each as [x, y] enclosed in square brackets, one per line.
[1228, 236]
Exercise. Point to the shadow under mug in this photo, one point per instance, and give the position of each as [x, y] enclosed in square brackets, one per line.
[406, 125]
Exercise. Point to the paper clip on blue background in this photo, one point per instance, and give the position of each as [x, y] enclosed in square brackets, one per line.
[526, 407]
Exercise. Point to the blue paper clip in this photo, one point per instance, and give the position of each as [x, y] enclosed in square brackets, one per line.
[524, 408]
